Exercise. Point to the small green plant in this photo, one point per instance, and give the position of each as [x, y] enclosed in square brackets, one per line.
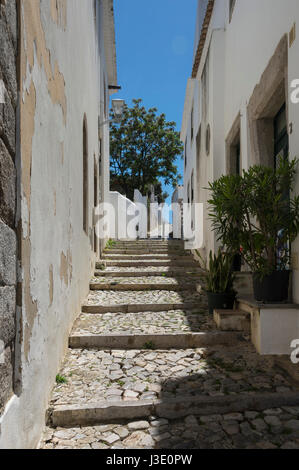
[110, 244]
[60, 379]
[218, 276]
[121, 383]
[149, 345]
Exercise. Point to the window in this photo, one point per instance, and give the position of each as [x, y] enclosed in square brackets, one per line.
[85, 176]
[232, 4]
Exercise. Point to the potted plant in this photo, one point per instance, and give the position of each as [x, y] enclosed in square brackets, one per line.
[258, 212]
[218, 279]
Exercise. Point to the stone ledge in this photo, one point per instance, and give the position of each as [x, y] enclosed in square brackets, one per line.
[142, 287]
[136, 308]
[232, 320]
[175, 273]
[159, 341]
[97, 413]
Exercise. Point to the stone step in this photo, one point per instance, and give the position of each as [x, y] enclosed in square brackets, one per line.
[232, 320]
[246, 429]
[142, 301]
[151, 256]
[149, 262]
[148, 271]
[116, 411]
[162, 341]
[145, 251]
[135, 308]
[195, 381]
[142, 284]
[165, 322]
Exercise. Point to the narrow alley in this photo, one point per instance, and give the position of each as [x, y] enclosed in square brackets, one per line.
[147, 368]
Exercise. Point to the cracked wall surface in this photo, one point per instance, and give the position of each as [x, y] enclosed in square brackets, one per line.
[8, 245]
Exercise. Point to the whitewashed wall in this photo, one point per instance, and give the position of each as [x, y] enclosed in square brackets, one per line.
[239, 52]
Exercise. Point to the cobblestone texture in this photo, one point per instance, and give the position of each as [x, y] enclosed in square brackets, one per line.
[143, 280]
[137, 297]
[270, 429]
[148, 322]
[112, 376]
[141, 374]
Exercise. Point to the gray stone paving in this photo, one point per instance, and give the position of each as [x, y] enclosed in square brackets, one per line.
[93, 376]
[142, 280]
[148, 322]
[142, 297]
[113, 376]
[270, 429]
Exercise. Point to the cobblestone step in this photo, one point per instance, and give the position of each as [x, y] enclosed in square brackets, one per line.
[114, 271]
[155, 355]
[127, 251]
[212, 375]
[142, 301]
[140, 285]
[150, 256]
[103, 412]
[157, 341]
[240, 430]
[149, 262]
[171, 321]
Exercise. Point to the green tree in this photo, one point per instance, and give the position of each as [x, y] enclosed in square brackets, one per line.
[143, 150]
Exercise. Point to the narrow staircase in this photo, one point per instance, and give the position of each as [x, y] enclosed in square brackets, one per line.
[147, 367]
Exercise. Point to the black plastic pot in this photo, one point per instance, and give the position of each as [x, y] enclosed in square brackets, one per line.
[272, 288]
[220, 301]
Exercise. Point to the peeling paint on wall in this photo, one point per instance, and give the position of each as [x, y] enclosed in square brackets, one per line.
[33, 45]
[58, 12]
[34, 41]
[66, 268]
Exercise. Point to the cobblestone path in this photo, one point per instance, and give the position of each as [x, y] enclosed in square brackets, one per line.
[146, 367]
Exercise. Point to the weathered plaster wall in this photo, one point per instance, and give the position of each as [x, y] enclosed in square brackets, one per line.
[247, 58]
[61, 81]
[8, 246]
[246, 65]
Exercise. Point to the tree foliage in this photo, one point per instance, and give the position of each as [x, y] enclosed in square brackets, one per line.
[143, 150]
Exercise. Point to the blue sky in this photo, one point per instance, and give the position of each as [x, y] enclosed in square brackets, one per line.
[154, 44]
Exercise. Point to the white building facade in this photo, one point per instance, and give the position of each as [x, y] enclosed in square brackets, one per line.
[244, 67]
